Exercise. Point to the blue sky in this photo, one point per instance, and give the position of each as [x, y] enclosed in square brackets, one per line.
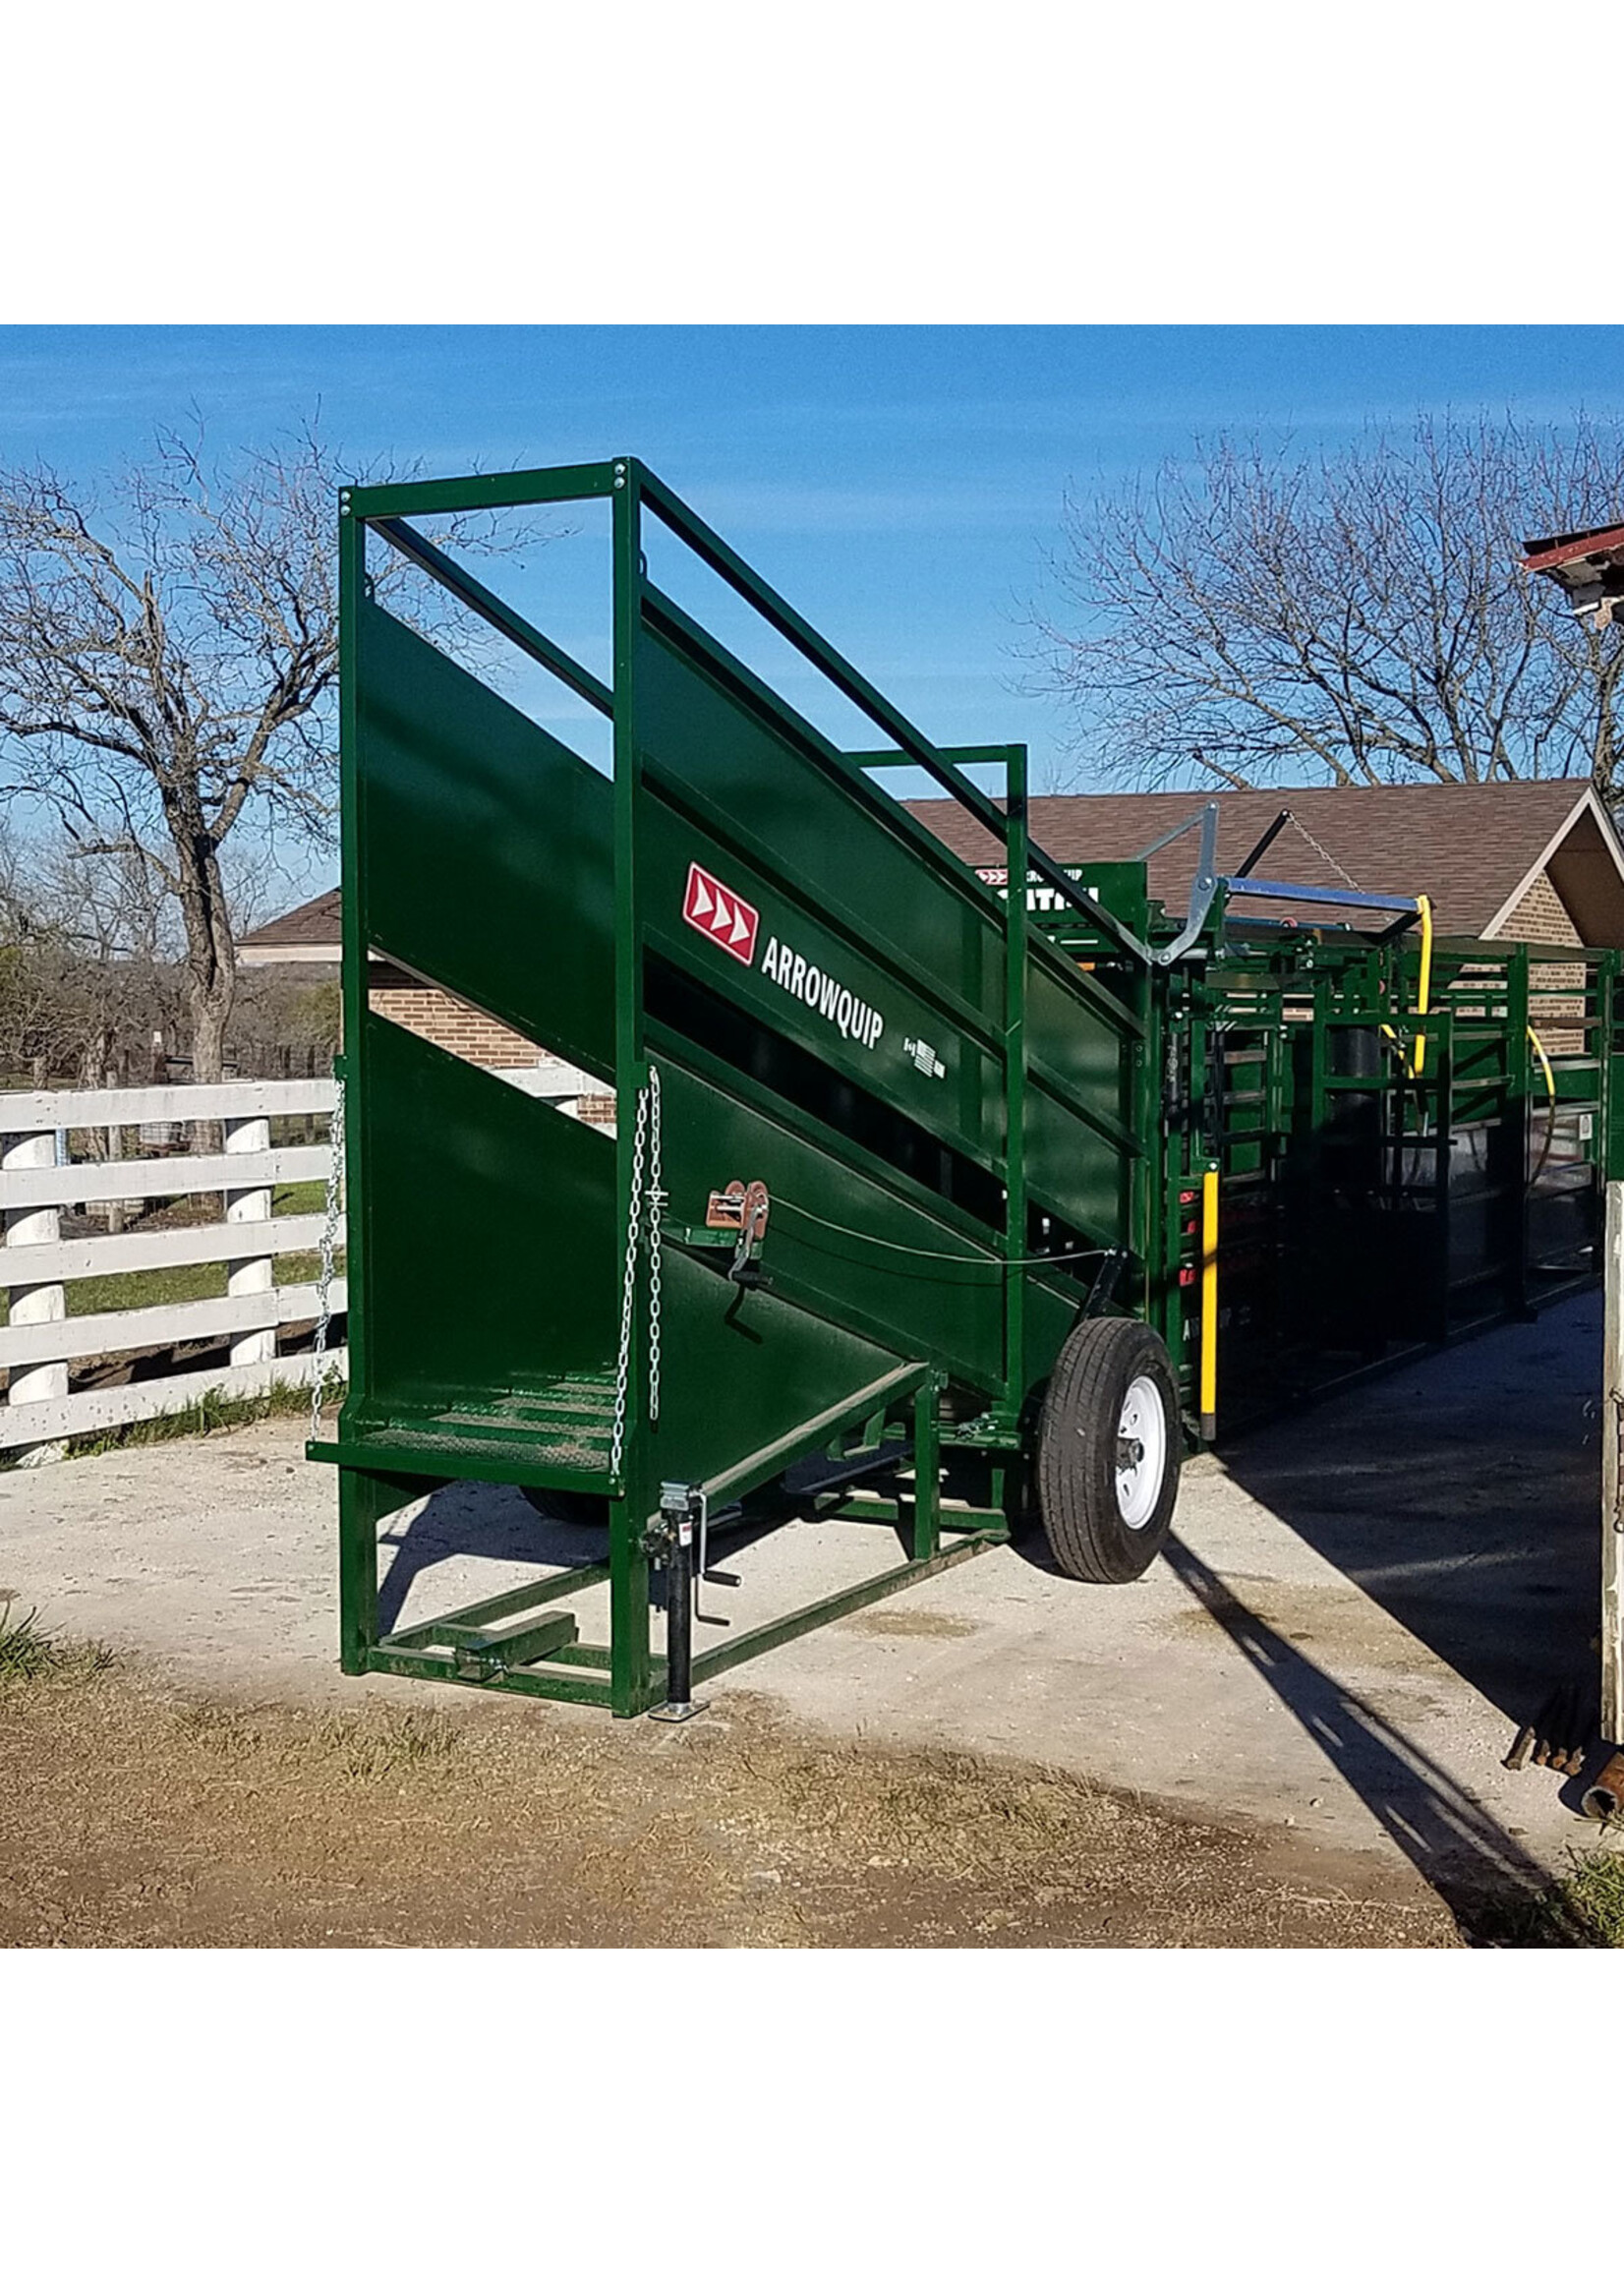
[899, 486]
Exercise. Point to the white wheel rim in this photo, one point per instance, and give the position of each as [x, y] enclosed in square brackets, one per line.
[1140, 1452]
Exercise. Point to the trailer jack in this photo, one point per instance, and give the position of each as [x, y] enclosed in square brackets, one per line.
[670, 1539]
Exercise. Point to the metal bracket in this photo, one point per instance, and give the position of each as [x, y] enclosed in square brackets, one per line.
[1207, 880]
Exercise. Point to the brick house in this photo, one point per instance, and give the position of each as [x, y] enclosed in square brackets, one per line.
[1501, 861]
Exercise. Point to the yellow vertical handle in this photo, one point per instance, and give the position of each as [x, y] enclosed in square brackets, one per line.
[1209, 1306]
[1423, 991]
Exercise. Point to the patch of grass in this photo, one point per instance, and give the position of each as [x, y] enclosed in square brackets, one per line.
[136, 1289]
[1582, 1912]
[225, 1731]
[29, 1654]
[309, 1199]
[212, 1410]
[361, 1748]
[367, 1746]
[303, 1268]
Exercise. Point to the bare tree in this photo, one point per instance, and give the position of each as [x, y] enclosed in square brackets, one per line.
[1254, 613]
[165, 667]
[84, 979]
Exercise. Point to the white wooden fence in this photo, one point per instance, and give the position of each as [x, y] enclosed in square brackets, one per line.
[38, 1180]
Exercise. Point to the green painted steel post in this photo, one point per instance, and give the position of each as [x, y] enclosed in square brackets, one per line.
[629, 1671]
[1519, 1071]
[1612, 1067]
[364, 1500]
[358, 1519]
[925, 1536]
[1444, 1124]
[352, 1065]
[1014, 1080]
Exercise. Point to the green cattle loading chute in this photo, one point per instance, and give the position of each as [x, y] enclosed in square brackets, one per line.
[991, 1200]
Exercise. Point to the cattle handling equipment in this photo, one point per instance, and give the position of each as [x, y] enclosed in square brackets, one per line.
[931, 1201]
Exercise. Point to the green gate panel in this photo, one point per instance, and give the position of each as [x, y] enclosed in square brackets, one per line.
[740, 1370]
[489, 1236]
[950, 1311]
[823, 989]
[488, 863]
[760, 784]
[745, 791]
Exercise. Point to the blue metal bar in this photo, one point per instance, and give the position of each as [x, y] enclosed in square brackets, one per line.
[1266, 889]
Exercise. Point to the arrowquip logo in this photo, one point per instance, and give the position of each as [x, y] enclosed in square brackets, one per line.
[718, 913]
[823, 993]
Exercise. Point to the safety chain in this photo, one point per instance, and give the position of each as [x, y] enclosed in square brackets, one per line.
[330, 1238]
[1302, 830]
[648, 1123]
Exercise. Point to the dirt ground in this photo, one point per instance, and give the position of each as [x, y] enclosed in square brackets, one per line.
[132, 1813]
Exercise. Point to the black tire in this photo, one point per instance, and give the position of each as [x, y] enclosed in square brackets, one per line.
[1078, 1497]
[567, 1507]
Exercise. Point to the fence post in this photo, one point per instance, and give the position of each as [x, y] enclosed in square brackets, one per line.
[44, 1303]
[253, 1275]
[1613, 1476]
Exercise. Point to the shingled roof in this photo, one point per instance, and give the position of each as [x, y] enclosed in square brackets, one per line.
[316, 923]
[1474, 847]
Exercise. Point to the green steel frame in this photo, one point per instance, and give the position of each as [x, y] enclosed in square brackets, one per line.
[1005, 1121]
[973, 1374]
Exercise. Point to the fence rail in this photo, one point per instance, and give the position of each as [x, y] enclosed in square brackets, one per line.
[43, 1409]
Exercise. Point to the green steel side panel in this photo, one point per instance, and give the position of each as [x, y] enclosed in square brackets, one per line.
[823, 989]
[948, 1310]
[1081, 1050]
[491, 1250]
[1077, 1173]
[740, 1370]
[886, 926]
[760, 788]
[1050, 1319]
[486, 857]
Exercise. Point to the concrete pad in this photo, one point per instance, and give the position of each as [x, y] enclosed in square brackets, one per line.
[1360, 1605]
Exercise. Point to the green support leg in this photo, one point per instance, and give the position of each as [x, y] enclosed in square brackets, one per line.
[630, 1688]
[1009, 1488]
[365, 1497]
[925, 1531]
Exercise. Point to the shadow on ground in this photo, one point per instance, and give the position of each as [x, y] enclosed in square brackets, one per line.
[1461, 1494]
[1478, 1868]
[490, 1523]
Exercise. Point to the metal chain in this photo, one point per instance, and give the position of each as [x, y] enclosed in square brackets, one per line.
[628, 1292]
[1303, 830]
[330, 1238]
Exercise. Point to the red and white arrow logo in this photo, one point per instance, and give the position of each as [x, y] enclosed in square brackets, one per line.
[718, 911]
